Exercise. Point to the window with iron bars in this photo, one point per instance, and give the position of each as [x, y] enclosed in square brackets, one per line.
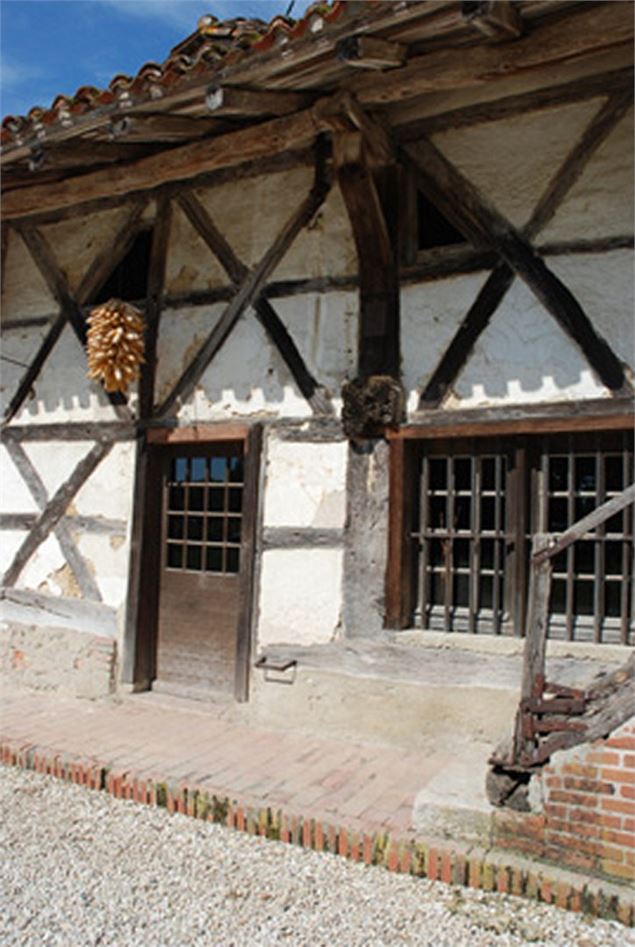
[479, 501]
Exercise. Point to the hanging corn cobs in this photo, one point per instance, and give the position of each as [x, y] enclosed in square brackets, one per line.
[115, 344]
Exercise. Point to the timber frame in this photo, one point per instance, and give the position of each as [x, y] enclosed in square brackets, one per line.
[373, 144]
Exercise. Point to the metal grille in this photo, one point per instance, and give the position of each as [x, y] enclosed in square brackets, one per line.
[203, 501]
[462, 540]
[592, 584]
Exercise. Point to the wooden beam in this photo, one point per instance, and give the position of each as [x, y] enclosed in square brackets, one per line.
[245, 630]
[588, 523]
[195, 433]
[587, 30]
[249, 291]
[371, 52]
[228, 102]
[316, 394]
[548, 97]
[179, 164]
[378, 349]
[447, 187]
[154, 127]
[52, 155]
[498, 20]
[85, 579]
[605, 414]
[399, 585]
[54, 510]
[98, 272]
[154, 305]
[69, 431]
[460, 348]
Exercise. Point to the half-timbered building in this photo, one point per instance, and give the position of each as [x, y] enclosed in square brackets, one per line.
[384, 260]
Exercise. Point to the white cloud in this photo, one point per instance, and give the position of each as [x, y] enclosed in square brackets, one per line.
[13, 75]
[185, 14]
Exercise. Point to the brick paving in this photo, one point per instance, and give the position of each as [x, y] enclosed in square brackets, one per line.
[370, 787]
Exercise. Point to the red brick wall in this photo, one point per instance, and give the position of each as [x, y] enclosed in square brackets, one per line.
[588, 810]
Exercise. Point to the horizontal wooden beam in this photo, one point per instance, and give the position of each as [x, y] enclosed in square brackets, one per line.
[70, 431]
[178, 164]
[291, 537]
[194, 433]
[153, 127]
[371, 52]
[498, 20]
[601, 414]
[587, 30]
[225, 101]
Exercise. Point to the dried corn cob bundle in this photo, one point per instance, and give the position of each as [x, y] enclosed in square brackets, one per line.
[115, 344]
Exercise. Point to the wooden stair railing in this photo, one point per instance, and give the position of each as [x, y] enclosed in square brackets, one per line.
[547, 712]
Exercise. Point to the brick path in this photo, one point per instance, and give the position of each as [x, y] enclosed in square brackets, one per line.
[369, 787]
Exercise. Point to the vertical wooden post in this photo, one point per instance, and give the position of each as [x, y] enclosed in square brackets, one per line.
[253, 447]
[533, 679]
[399, 585]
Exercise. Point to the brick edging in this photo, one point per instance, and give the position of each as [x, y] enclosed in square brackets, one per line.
[486, 870]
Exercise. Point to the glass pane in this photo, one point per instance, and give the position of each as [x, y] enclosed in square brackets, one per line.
[487, 553]
[233, 529]
[584, 557]
[584, 474]
[488, 473]
[196, 499]
[462, 473]
[486, 586]
[613, 558]
[176, 498]
[236, 474]
[438, 473]
[558, 474]
[195, 527]
[462, 512]
[488, 512]
[213, 559]
[215, 529]
[614, 473]
[558, 516]
[199, 469]
[583, 598]
[218, 468]
[194, 558]
[179, 469]
[437, 513]
[235, 499]
[175, 556]
[233, 560]
[216, 499]
[461, 589]
[462, 553]
[175, 527]
[436, 552]
[559, 596]
[612, 599]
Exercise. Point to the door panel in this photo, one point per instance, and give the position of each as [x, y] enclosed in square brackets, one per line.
[199, 587]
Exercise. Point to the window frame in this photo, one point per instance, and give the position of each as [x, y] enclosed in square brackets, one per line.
[531, 438]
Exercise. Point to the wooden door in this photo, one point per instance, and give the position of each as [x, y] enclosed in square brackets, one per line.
[200, 567]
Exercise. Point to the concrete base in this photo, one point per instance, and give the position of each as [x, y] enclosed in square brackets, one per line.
[56, 658]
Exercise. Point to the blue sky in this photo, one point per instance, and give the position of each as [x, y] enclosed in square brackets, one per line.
[54, 46]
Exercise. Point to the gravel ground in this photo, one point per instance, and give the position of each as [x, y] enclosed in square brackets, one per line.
[81, 868]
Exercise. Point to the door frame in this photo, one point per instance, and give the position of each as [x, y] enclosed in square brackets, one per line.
[140, 644]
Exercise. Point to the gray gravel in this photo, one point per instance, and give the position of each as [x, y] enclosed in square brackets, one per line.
[82, 868]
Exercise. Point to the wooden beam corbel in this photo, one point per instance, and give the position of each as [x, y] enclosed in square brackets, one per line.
[498, 20]
[226, 101]
[370, 52]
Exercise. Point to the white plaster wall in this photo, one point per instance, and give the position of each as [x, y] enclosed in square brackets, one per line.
[108, 492]
[24, 292]
[305, 484]
[46, 571]
[523, 356]
[190, 264]
[62, 392]
[600, 204]
[430, 315]
[251, 212]
[246, 377]
[107, 559]
[324, 327]
[55, 460]
[300, 596]
[76, 242]
[604, 285]
[512, 161]
[15, 497]
[11, 541]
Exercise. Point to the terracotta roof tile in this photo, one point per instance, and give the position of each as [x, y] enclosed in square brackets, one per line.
[213, 43]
